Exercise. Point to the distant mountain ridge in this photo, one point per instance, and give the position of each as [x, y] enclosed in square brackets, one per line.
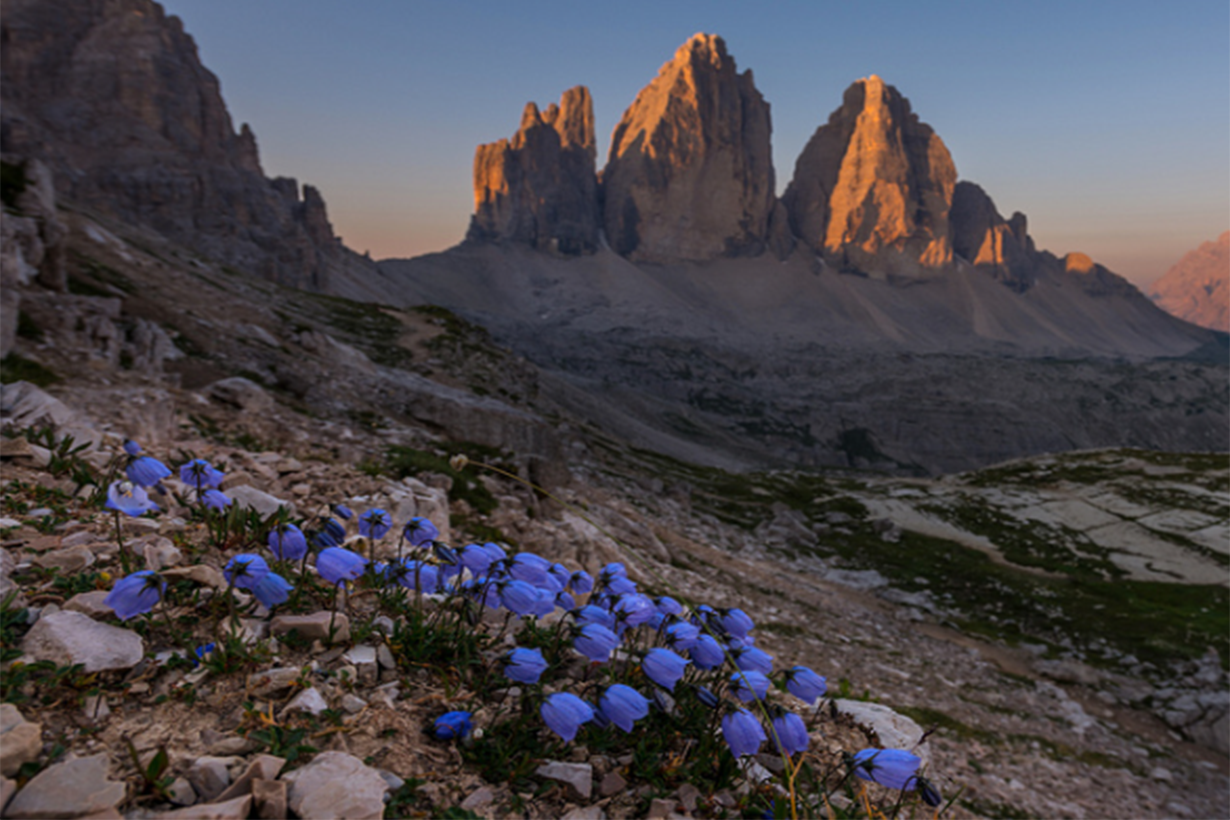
[1197, 287]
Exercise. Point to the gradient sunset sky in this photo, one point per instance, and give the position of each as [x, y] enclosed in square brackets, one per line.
[1107, 123]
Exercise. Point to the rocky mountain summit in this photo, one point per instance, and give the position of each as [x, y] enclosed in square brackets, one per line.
[113, 98]
[1197, 287]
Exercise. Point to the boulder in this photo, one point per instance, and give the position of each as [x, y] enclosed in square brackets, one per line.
[71, 788]
[242, 393]
[540, 188]
[690, 172]
[67, 638]
[895, 731]
[336, 784]
[873, 188]
[21, 741]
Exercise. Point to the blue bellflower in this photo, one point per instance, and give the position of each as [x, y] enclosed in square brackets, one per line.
[743, 733]
[419, 531]
[664, 667]
[749, 685]
[580, 582]
[130, 499]
[790, 734]
[524, 665]
[136, 594]
[343, 512]
[452, 725]
[272, 590]
[805, 684]
[200, 474]
[735, 622]
[894, 768]
[623, 705]
[215, 500]
[707, 653]
[245, 571]
[596, 642]
[564, 713]
[146, 471]
[375, 524]
[131, 447]
[752, 659]
[337, 565]
[287, 543]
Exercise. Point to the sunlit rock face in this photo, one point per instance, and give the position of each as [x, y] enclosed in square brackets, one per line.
[1197, 287]
[690, 173]
[540, 188]
[113, 98]
[873, 188]
[1000, 248]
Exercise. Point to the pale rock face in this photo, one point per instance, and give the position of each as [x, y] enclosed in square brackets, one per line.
[690, 173]
[1197, 287]
[540, 188]
[873, 188]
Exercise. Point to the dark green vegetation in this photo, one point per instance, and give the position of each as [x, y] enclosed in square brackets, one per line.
[1080, 602]
[12, 182]
[16, 368]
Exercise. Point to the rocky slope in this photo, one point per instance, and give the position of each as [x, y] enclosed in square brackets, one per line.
[113, 97]
[540, 188]
[1197, 287]
[1043, 704]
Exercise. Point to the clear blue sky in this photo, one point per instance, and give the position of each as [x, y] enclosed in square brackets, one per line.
[1107, 123]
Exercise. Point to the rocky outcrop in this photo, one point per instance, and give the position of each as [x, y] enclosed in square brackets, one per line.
[540, 189]
[998, 247]
[690, 173]
[113, 97]
[873, 188]
[1197, 287]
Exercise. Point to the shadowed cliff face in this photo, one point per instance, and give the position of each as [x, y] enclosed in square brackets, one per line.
[112, 96]
[690, 173]
[540, 188]
[873, 187]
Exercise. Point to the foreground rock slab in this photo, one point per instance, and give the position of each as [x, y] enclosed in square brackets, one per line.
[73, 788]
[336, 784]
[68, 638]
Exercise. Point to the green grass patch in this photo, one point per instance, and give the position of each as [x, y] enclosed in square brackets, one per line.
[17, 368]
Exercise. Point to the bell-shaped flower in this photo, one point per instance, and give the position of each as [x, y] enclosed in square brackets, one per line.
[561, 575]
[894, 768]
[805, 684]
[707, 653]
[634, 609]
[682, 636]
[735, 622]
[343, 512]
[337, 565]
[748, 685]
[595, 642]
[621, 585]
[420, 576]
[520, 597]
[474, 558]
[790, 733]
[245, 571]
[590, 614]
[623, 705]
[136, 594]
[131, 447]
[334, 528]
[146, 471]
[272, 590]
[743, 733]
[610, 572]
[130, 499]
[927, 790]
[452, 725]
[580, 582]
[530, 568]
[753, 659]
[200, 474]
[664, 667]
[419, 531]
[524, 665]
[564, 713]
[375, 524]
[215, 500]
[287, 542]
[707, 697]
[564, 601]
[496, 552]
[668, 605]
